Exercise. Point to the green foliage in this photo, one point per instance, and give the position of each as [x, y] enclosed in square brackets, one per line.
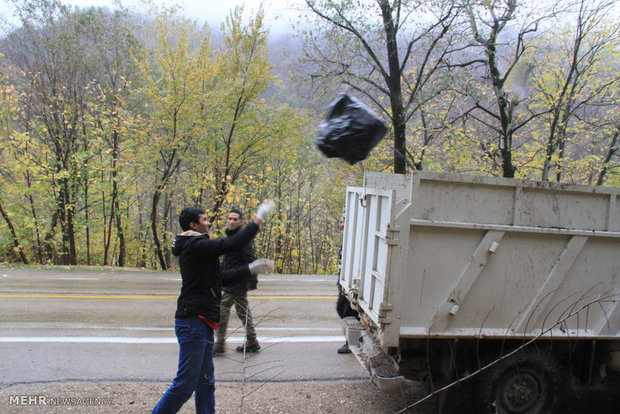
[115, 125]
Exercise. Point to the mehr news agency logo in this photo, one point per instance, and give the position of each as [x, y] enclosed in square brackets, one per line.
[45, 400]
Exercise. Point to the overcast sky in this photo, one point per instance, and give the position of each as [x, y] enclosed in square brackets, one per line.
[278, 13]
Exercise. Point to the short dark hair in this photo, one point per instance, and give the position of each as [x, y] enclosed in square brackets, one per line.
[236, 211]
[190, 215]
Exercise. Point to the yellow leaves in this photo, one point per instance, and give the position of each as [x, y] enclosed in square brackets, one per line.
[231, 196]
[199, 115]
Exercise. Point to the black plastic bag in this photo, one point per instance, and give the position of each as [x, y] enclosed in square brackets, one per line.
[350, 130]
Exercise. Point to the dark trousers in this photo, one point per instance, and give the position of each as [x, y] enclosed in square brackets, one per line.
[343, 307]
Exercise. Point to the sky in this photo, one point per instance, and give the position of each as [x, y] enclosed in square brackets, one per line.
[279, 14]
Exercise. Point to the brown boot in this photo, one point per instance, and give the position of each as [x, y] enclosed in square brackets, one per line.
[249, 346]
[219, 348]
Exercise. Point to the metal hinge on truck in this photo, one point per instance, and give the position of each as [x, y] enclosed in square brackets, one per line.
[391, 235]
[383, 309]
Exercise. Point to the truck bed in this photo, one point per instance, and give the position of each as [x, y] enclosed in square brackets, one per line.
[447, 255]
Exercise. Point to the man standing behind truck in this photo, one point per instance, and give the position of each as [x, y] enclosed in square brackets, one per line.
[343, 306]
[198, 306]
[237, 293]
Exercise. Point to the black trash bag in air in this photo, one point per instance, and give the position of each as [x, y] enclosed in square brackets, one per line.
[350, 130]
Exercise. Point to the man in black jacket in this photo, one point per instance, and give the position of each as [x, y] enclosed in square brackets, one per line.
[343, 306]
[237, 293]
[198, 306]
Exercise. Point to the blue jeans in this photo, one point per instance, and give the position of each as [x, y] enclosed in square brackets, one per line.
[195, 373]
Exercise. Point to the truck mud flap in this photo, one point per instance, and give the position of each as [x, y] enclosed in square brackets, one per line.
[382, 369]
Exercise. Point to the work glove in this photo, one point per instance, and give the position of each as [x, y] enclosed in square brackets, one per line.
[261, 266]
[265, 208]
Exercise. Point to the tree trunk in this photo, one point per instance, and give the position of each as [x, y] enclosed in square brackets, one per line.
[121, 237]
[508, 167]
[66, 213]
[613, 149]
[86, 212]
[396, 95]
[50, 251]
[18, 248]
[158, 249]
[36, 221]
[114, 205]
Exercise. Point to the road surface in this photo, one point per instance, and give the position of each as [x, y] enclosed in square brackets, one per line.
[87, 324]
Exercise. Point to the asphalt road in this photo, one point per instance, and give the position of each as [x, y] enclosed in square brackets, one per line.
[95, 326]
[84, 324]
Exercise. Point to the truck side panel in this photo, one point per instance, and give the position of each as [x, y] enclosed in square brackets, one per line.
[455, 256]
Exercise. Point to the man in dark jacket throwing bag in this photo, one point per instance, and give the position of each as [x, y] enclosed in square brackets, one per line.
[236, 293]
[198, 305]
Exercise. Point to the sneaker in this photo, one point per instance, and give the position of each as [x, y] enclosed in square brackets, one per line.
[250, 346]
[344, 349]
[219, 348]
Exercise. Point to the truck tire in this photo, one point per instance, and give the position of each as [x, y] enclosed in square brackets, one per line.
[528, 382]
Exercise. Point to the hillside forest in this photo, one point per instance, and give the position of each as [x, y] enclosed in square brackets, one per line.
[112, 121]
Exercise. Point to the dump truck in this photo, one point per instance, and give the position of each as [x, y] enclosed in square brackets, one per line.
[509, 285]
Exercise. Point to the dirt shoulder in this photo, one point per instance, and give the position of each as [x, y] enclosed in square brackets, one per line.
[346, 397]
[303, 397]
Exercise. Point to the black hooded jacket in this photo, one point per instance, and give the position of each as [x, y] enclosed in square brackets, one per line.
[200, 270]
[231, 262]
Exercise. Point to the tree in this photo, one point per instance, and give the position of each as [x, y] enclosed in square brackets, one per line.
[613, 152]
[505, 73]
[239, 125]
[178, 83]
[110, 132]
[46, 51]
[391, 52]
[73, 121]
[8, 107]
[111, 62]
[582, 84]
[301, 234]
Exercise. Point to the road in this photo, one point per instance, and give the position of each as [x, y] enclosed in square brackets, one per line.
[86, 324]
[108, 326]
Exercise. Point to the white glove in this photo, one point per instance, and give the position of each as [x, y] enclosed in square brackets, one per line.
[265, 209]
[261, 266]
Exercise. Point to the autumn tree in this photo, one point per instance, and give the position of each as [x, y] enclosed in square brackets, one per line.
[238, 119]
[47, 54]
[579, 93]
[121, 123]
[502, 30]
[178, 83]
[72, 71]
[111, 62]
[391, 52]
[8, 108]
[301, 235]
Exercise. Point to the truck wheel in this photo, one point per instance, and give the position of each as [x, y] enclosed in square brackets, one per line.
[528, 382]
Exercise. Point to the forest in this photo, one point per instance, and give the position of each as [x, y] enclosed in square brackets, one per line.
[111, 122]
